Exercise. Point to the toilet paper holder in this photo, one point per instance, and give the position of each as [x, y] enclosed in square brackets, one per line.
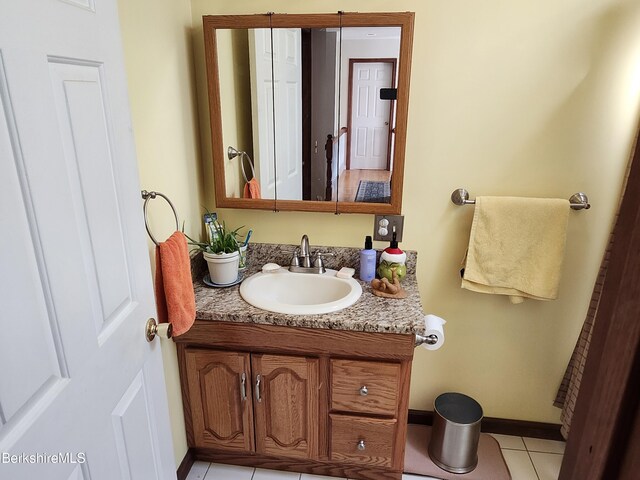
[428, 339]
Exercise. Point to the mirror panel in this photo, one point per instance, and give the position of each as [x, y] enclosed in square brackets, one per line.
[319, 109]
[287, 93]
[246, 109]
[370, 56]
[306, 62]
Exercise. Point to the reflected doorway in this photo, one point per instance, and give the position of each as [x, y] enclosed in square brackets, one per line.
[369, 141]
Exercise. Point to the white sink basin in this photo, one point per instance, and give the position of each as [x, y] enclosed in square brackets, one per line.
[300, 293]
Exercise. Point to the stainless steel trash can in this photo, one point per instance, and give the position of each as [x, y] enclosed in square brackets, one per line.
[455, 432]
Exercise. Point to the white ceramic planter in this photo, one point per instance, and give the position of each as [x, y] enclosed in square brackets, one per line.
[223, 267]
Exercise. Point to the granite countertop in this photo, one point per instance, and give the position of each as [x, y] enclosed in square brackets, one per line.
[369, 314]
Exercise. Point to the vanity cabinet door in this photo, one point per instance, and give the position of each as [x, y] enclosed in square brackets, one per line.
[286, 405]
[220, 393]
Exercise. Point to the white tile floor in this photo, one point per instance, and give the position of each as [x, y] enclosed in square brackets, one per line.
[531, 458]
[527, 459]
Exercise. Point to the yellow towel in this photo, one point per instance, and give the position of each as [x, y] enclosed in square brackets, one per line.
[516, 247]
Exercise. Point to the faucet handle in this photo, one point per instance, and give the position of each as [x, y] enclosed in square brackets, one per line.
[295, 261]
[318, 259]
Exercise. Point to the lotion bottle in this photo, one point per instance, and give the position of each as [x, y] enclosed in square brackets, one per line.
[393, 259]
[367, 261]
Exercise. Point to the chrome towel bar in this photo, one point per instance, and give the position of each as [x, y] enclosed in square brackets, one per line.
[577, 201]
[151, 195]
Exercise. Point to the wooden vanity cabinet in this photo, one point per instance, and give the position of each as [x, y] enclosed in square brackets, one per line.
[229, 391]
[320, 401]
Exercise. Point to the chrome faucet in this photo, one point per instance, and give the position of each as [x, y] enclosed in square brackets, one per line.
[301, 260]
[304, 252]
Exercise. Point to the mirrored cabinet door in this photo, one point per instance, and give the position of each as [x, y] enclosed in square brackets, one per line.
[287, 94]
[314, 108]
[368, 88]
[246, 110]
[239, 82]
[306, 65]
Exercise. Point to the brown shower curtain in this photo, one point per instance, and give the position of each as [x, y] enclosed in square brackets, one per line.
[568, 391]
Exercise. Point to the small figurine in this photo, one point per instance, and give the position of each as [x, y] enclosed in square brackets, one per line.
[384, 288]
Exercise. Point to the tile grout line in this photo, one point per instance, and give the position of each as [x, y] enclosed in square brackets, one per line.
[546, 453]
[533, 464]
[530, 459]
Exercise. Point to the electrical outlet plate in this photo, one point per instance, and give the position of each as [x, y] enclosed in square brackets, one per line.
[394, 220]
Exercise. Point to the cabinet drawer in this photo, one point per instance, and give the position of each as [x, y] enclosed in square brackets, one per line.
[366, 441]
[364, 387]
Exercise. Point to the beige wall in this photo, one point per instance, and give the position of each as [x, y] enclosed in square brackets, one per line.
[159, 63]
[535, 98]
[523, 98]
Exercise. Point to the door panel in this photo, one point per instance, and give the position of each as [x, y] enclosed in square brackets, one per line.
[84, 118]
[370, 116]
[262, 101]
[133, 425]
[287, 75]
[287, 409]
[22, 383]
[76, 280]
[221, 411]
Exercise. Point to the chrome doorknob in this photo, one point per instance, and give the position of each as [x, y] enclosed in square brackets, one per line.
[364, 391]
[361, 445]
[151, 329]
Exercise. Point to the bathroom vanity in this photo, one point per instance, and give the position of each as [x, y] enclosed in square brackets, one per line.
[324, 394]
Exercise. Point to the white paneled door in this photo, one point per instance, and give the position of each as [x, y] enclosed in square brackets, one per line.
[277, 135]
[287, 92]
[82, 393]
[370, 116]
[262, 110]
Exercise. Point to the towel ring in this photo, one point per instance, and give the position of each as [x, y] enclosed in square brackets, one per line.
[150, 195]
[232, 153]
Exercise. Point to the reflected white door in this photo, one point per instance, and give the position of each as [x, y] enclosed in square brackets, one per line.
[277, 145]
[78, 381]
[262, 110]
[287, 84]
[369, 123]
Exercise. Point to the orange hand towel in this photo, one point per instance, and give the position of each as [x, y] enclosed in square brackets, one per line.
[252, 189]
[175, 299]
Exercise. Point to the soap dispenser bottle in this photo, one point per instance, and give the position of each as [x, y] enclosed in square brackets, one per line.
[392, 259]
[367, 261]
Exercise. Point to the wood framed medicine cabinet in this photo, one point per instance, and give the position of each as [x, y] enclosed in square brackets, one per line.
[293, 123]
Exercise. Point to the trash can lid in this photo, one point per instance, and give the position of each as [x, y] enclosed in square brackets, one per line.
[458, 408]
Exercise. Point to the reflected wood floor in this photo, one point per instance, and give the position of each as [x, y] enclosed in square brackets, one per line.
[350, 179]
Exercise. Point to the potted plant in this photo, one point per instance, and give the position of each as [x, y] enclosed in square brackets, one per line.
[222, 253]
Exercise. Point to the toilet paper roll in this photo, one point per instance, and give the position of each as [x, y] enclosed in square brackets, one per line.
[434, 325]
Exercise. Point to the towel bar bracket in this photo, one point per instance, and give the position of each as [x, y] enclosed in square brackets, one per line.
[577, 201]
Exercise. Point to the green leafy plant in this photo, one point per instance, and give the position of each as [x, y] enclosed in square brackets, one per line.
[223, 241]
